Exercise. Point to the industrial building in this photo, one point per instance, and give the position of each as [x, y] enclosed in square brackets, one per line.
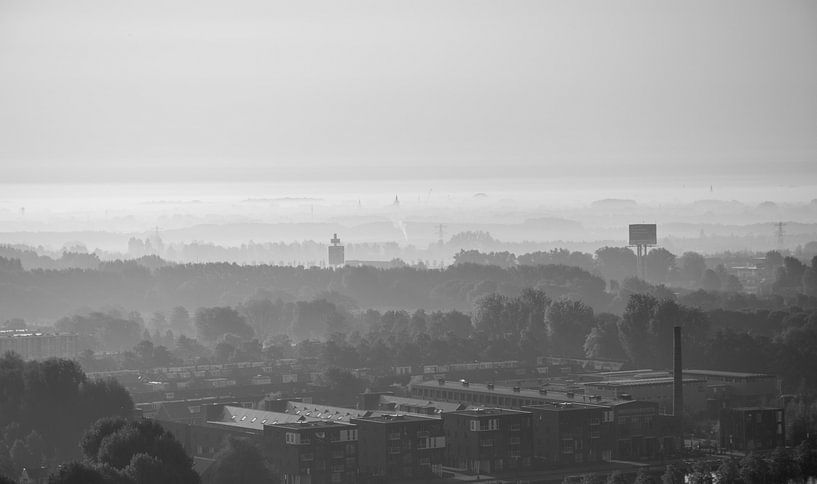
[751, 428]
[659, 390]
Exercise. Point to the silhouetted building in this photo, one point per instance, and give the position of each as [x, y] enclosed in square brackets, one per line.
[336, 252]
[400, 447]
[752, 428]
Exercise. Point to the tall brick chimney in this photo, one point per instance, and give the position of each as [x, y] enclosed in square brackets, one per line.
[677, 375]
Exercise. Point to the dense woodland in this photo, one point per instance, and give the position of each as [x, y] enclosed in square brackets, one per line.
[149, 284]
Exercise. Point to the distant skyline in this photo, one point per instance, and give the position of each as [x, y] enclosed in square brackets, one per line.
[98, 91]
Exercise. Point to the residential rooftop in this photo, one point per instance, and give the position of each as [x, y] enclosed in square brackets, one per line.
[541, 395]
[490, 411]
[397, 418]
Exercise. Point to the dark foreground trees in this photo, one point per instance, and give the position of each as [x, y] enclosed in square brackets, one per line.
[119, 451]
[45, 406]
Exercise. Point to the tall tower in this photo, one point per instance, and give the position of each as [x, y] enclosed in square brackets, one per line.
[336, 252]
[678, 382]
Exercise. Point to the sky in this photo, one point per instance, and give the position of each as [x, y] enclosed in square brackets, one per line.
[157, 90]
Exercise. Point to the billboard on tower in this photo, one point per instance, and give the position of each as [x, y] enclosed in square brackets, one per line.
[643, 234]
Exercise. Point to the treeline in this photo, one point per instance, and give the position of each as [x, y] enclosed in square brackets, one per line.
[778, 274]
[41, 295]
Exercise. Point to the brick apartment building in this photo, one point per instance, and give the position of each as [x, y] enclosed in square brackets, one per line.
[313, 452]
[489, 440]
[400, 447]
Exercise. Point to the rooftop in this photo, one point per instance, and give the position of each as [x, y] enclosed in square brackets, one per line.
[482, 412]
[397, 418]
[440, 407]
[561, 406]
[731, 374]
[641, 382]
[305, 424]
[526, 393]
[327, 412]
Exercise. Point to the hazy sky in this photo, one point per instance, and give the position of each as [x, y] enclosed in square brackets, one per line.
[250, 90]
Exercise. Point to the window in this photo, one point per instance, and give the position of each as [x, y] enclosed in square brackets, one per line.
[567, 446]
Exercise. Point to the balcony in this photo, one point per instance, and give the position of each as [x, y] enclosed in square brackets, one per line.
[394, 436]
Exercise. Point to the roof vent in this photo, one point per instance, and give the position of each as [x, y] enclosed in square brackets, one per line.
[516, 389]
[490, 386]
[464, 383]
[441, 381]
[543, 391]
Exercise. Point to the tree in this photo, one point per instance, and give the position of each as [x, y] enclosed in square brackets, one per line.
[180, 321]
[659, 263]
[643, 477]
[710, 281]
[118, 444]
[728, 472]
[616, 263]
[700, 474]
[691, 267]
[568, 323]
[732, 284]
[77, 473]
[591, 479]
[239, 462]
[33, 389]
[754, 469]
[673, 475]
[782, 465]
[617, 477]
[213, 323]
[805, 456]
[634, 329]
[603, 339]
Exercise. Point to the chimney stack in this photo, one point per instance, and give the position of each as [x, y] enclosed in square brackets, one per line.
[678, 376]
